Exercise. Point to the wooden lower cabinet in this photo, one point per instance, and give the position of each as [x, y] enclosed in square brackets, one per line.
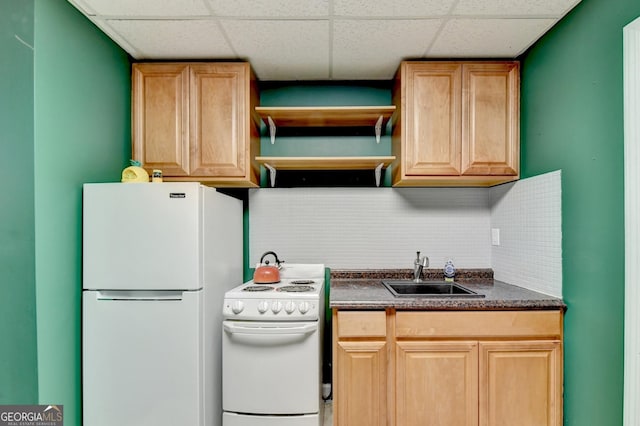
[447, 368]
[360, 353]
[521, 383]
[436, 383]
[362, 369]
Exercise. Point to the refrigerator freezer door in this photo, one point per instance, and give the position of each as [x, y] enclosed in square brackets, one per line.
[142, 236]
[142, 360]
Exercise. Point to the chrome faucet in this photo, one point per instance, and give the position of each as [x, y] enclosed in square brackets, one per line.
[418, 265]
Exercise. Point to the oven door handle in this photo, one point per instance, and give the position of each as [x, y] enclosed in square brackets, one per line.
[294, 330]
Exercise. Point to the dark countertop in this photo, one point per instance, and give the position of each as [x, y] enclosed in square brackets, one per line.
[364, 290]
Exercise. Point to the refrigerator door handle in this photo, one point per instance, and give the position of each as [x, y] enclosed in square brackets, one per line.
[147, 295]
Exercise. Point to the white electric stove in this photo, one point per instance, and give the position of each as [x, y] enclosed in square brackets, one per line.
[272, 350]
[294, 298]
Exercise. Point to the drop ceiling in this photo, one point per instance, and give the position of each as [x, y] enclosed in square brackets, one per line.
[324, 39]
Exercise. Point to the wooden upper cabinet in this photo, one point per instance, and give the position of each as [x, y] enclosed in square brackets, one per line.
[207, 132]
[432, 130]
[456, 123]
[160, 117]
[217, 118]
[491, 119]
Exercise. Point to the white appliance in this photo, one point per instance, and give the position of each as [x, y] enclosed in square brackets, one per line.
[272, 350]
[157, 260]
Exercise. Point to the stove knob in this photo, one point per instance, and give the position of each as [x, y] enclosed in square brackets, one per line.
[276, 307]
[304, 307]
[237, 306]
[263, 306]
[290, 307]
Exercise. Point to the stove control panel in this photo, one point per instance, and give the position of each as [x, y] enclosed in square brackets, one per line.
[271, 309]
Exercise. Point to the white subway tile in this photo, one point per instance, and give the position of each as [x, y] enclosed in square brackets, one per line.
[370, 228]
[529, 215]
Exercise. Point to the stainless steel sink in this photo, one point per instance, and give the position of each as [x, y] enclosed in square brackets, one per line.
[408, 288]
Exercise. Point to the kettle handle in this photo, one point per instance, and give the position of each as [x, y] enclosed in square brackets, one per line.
[278, 261]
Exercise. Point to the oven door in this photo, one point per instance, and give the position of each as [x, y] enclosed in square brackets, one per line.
[271, 367]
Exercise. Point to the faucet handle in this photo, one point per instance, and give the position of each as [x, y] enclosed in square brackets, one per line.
[423, 261]
[418, 265]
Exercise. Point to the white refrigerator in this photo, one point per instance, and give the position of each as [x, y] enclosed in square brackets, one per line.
[157, 260]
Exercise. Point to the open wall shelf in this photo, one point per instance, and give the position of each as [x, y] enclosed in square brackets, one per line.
[325, 116]
[338, 116]
[376, 164]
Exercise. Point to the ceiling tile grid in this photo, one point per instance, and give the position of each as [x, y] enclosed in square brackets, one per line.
[270, 8]
[173, 39]
[378, 45]
[495, 38]
[510, 8]
[324, 39]
[143, 8]
[398, 8]
[283, 50]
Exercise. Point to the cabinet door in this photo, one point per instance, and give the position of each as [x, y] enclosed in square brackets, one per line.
[521, 383]
[432, 111]
[219, 120]
[360, 388]
[437, 383]
[160, 117]
[490, 119]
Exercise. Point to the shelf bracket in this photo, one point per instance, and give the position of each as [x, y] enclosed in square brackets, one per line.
[379, 129]
[272, 129]
[378, 173]
[272, 174]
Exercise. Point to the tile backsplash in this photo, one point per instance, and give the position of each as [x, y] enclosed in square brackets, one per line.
[369, 228]
[349, 228]
[528, 214]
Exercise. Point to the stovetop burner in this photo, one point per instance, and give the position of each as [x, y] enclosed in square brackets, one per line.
[295, 288]
[300, 282]
[257, 288]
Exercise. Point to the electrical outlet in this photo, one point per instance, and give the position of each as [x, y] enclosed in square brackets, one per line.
[495, 236]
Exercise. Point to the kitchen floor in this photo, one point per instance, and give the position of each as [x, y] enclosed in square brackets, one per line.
[328, 414]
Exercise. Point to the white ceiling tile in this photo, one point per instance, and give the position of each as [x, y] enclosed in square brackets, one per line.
[162, 39]
[324, 39]
[378, 46]
[283, 50]
[144, 8]
[532, 8]
[489, 38]
[397, 8]
[270, 8]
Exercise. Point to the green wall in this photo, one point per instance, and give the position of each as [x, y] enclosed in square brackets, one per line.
[338, 142]
[572, 119]
[326, 141]
[64, 120]
[82, 134]
[18, 350]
